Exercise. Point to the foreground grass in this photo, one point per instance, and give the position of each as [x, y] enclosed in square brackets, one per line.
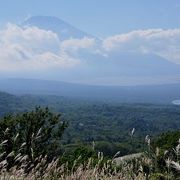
[138, 168]
[81, 172]
[149, 165]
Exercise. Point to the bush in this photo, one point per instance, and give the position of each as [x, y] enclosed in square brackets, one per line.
[32, 133]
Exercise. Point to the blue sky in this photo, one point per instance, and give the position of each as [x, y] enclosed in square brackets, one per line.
[99, 17]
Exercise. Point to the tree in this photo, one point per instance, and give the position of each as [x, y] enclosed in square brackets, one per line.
[32, 133]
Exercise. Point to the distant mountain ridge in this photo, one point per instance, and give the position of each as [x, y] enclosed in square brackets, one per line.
[123, 94]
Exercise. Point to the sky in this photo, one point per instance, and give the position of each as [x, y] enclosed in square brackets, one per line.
[101, 18]
[148, 31]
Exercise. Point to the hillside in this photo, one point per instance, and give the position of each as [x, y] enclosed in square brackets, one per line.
[11, 104]
[158, 94]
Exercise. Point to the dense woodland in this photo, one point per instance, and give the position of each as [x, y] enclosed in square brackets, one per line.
[108, 125]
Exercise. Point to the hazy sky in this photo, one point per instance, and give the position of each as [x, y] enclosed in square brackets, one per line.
[148, 31]
[99, 17]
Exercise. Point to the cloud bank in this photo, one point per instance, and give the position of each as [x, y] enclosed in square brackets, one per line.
[32, 49]
[165, 43]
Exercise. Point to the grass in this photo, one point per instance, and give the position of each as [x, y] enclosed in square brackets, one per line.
[148, 165]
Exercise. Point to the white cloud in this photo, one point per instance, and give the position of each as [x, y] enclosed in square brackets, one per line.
[76, 44]
[165, 43]
[31, 48]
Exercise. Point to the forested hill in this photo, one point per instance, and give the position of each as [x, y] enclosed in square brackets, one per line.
[162, 94]
[89, 120]
[10, 103]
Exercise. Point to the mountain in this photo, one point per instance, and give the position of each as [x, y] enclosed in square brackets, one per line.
[63, 29]
[117, 68]
[104, 68]
[123, 94]
[124, 68]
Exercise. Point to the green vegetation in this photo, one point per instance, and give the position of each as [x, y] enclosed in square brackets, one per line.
[11, 104]
[167, 140]
[38, 144]
[31, 151]
[32, 133]
[108, 125]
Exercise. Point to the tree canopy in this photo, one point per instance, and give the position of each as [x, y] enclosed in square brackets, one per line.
[33, 133]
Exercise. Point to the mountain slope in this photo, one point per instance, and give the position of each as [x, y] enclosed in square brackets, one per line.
[113, 68]
[122, 69]
[63, 29]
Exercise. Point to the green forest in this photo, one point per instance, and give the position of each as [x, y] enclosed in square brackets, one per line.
[74, 130]
[107, 124]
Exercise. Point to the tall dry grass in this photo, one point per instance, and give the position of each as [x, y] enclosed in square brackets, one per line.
[16, 165]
